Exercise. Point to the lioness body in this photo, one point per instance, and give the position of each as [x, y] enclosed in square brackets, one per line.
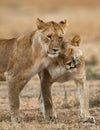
[56, 73]
[15, 60]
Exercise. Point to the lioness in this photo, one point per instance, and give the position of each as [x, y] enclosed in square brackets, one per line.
[22, 57]
[75, 69]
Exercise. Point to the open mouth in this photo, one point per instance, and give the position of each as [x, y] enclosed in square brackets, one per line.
[52, 55]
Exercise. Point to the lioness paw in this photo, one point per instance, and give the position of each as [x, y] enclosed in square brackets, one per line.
[52, 118]
[88, 119]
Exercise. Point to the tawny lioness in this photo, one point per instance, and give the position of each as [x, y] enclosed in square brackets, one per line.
[23, 57]
[74, 61]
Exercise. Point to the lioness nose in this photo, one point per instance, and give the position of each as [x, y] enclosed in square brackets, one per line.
[55, 49]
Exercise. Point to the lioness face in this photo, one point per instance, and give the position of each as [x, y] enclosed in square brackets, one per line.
[51, 36]
[70, 60]
[71, 54]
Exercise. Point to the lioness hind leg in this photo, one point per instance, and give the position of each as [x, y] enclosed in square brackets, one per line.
[14, 89]
[46, 104]
[83, 96]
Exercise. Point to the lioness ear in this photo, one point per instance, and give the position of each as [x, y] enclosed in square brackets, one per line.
[64, 24]
[75, 40]
[40, 23]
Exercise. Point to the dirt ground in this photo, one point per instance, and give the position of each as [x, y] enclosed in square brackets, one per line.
[68, 116]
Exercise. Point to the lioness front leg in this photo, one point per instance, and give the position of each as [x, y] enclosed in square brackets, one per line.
[14, 89]
[46, 104]
[83, 96]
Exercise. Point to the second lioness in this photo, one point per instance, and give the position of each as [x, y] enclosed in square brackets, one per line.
[74, 62]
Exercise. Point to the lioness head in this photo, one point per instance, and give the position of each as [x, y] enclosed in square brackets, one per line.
[51, 36]
[72, 53]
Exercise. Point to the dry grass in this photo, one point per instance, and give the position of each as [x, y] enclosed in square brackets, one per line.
[68, 118]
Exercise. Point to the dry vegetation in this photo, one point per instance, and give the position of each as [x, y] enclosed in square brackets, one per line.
[68, 114]
[18, 18]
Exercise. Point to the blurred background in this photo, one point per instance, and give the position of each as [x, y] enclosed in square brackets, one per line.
[17, 17]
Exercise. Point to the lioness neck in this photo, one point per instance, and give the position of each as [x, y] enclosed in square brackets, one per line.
[40, 58]
[37, 48]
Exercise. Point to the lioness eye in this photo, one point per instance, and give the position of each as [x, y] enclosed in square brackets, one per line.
[49, 37]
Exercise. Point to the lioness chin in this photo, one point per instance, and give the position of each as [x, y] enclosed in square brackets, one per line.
[74, 61]
[23, 57]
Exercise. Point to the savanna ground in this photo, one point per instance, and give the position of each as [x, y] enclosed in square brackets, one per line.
[18, 18]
